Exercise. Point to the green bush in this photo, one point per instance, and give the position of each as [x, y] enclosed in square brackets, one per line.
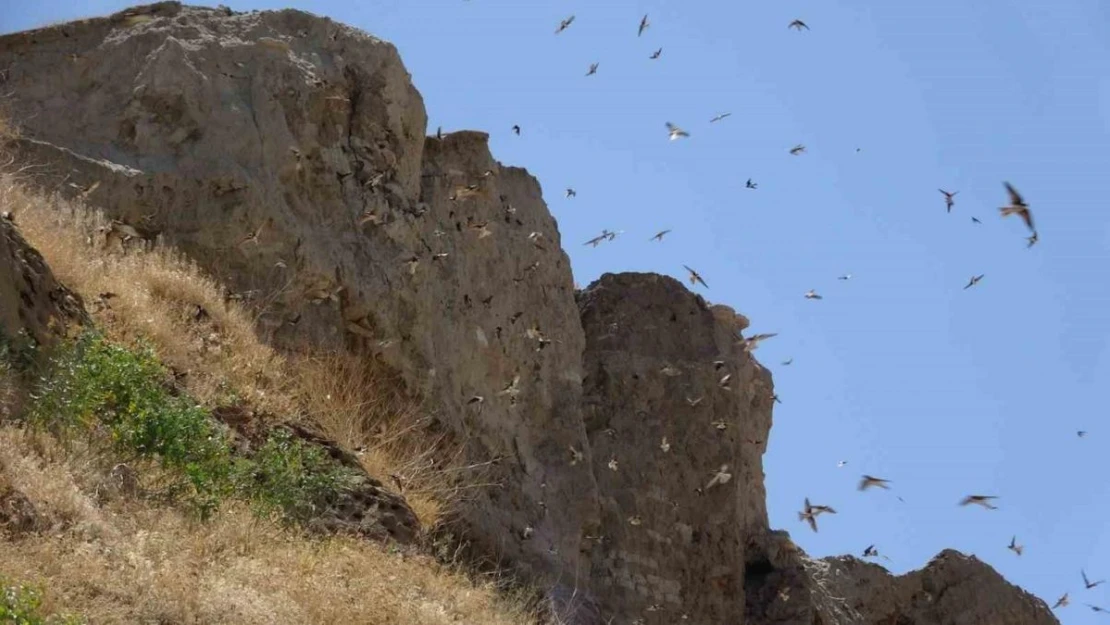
[103, 389]
[22, 605]
[96, 386]
[289, 476]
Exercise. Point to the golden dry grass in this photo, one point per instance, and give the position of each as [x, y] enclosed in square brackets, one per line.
[119, 560]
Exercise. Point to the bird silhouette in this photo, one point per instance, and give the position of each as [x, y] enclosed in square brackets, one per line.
[979, 500]
[949, 201]
[695, 277]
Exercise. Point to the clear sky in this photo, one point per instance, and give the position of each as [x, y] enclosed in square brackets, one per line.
[899, 370]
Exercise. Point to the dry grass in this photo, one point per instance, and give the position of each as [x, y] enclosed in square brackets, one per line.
[154, 295]
[356, 402]
[123, 561]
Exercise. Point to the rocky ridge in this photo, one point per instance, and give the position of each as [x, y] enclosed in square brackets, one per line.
[287, 154]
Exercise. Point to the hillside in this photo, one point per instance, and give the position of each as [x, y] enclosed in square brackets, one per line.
[318, 339]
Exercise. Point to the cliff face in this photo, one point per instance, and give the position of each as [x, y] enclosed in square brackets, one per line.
[286, 154]
[677, 452]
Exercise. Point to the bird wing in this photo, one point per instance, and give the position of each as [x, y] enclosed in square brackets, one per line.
[1015, 197]
[812, 522]
[1027, 217]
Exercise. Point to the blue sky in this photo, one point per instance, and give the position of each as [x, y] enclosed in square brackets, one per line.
[899, 370]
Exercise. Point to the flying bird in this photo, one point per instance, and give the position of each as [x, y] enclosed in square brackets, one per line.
[841, 464]
[812, 294]
[576, 456]
[604, 236]
[788, 362]
[723, 383]
[811, 512]
[753, 341]
[252, 237]
[1081, 433]
[571, 193]
[516, 130]
[665, 445]
[798, 25]
[798, 149]
[695, 277]
[1062, 602]
[751, 185]
[1016, 548]
[593, 69]
[949, 202]
[979, 500]
[719, 117]
[869, 481]
[1017, 207]
[482, 228]
[676, 132]
[659, 235]
[643, 25]
[973, 281]
[721, 476]
[656, 54]
[871, 552]
[846, 276]
[563, 24]
[1088, 583]
[975, 220]
[1095, 608]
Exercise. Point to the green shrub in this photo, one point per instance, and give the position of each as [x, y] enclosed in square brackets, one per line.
[289, 476]
[106, 390]
[22, 605]
[99, 387]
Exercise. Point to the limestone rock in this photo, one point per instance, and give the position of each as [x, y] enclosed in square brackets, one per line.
[672, 542]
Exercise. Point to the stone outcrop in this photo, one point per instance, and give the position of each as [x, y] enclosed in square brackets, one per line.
[674, 538]
[783, 585]
[34, 308]
[287, 154]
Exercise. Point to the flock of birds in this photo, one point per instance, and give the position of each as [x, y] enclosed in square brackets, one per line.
[1016, 205]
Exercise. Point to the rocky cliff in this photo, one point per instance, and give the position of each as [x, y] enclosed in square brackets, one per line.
[287, 154]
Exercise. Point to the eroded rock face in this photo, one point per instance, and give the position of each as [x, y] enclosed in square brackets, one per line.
[677, 449]
[786, 586]
[286, 154]
[34, 308]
